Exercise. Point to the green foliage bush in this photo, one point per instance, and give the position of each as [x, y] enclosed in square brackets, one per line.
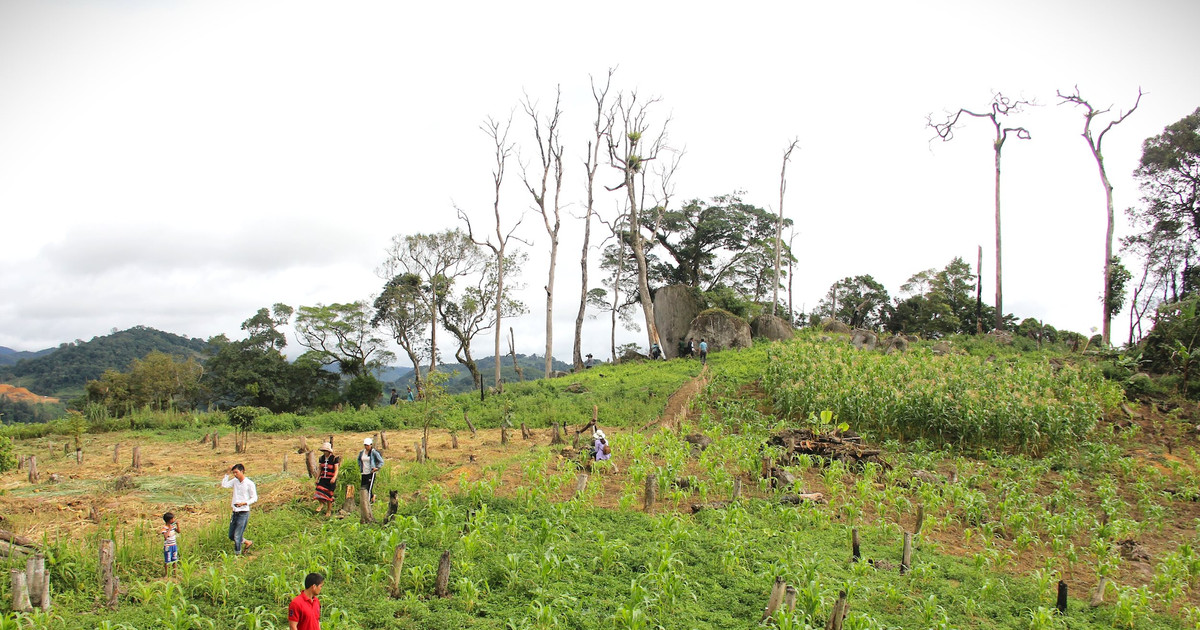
[8, 459]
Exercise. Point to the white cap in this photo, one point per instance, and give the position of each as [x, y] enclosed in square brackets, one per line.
[600, 434]
[368, 442]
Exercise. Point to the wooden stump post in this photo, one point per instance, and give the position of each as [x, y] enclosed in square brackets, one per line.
[33, 472]
[838, 616]
[66, 449]
[108, 578]
[442, 586]
[469, 425]
[116, 451]
[524, 432]
[393, 506]
[20, 464]
[1061, 604]
[453, 439]
[216, 438]
[364, 506]
[906, 558]
[737, 488]
[310, 461]
[420, 453]
[556, 435]
[775, 599]
[38, 581]
[767, 467]
[854, 547]
[504, 434]
[94, 515]
[920, 519]
[383, 443]
[581, 484]
[397, 569]
[377, 441]
[303, 445]
[204, 440]
[348, 504]
[1098, 596]
[20, 591]
[285, 463]
[651, 493]
[789, 599]
[137, 458]
[78, 456]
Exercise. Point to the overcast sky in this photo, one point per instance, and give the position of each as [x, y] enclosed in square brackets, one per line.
[180, 164]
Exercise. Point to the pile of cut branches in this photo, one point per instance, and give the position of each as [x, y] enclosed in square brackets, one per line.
[837, 446]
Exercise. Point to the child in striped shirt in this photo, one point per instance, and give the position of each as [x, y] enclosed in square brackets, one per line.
[170, 549]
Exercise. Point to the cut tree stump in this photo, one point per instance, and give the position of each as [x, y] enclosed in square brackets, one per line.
[580, 484]
[776, 598]
[20, 591]
[285, 463]
[469, 425]
[33, 471]
[116, 451]
[789, 599]
[453, 439]
[442, 586]
[503, 434]
[310, 462]
[1098, 596]
[383, 441]
[854, 546]
[137, 458]
[397, 569]
[393, 506]
[303, 448]
[651, 493]
[837, 616]
[215, 439]
[1061, 604]
[108, 578]
[364, 506]
[906, 558]
[556, 434]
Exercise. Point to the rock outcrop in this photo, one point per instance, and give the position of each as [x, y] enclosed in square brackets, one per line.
[675, 307]
[863, 339]
[832, 325]
[722, 330]
[771, 327]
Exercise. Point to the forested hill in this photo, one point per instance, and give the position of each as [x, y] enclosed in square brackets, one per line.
[68, 368]
[533, 365]
[8, 356]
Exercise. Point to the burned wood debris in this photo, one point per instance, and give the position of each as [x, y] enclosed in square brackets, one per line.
[847, 447]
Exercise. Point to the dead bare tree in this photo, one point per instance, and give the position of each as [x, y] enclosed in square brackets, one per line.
[630, 153]
[1000, 108]
[787, 155]
[550, 151]
[1094, 143]
[499, 136]
[601, 126]
[791, 276]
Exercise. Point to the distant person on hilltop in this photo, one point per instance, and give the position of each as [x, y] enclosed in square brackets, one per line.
[395, 397]
[409, 395]
[691, 347]
[703, 352]
[655, 351]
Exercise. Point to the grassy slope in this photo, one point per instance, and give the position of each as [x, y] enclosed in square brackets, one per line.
[533, 559]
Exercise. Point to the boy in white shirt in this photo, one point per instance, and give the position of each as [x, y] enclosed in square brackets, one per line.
[244, 493]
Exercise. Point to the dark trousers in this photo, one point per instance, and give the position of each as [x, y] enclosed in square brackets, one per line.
[368, 484]
[237, 527]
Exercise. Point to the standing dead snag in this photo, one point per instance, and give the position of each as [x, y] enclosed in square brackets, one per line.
[1000, 108]
[503, 149]
[1094, 144]
[550, 151]
[601, 126]
[787, 155]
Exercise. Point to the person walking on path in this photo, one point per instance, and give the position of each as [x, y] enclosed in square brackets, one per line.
[703, 352]
[328, 467]
[244, 493]
[304, 613]
[369, 463]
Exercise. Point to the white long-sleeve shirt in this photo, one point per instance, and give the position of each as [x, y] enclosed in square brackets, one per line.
[243, 492]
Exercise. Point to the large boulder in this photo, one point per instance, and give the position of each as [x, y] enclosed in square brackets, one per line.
[721, 329]
[863, 339]
[832, 325]
[771, 327]
[675, 307]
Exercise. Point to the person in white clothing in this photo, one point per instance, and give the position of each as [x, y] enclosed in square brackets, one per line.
[244, 493]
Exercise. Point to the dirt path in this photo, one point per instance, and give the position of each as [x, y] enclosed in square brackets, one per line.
[678, 403]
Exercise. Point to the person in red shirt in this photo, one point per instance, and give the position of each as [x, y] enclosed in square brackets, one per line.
[304, 613]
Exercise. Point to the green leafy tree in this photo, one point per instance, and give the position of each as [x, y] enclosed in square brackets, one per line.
[363, 389]
[342, 334]
[859, 301]
[8, 458]
[242, 419]
[400, 308]
[466, 313]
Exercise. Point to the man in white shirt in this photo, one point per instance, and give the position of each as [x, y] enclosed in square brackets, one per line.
[244, 493]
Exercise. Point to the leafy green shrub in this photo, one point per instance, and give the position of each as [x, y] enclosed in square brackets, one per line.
[277, 424]
[8, 459]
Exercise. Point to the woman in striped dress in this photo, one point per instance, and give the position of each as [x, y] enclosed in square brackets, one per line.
[328, 467]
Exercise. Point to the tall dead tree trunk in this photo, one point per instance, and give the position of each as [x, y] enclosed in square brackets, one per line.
[503, 149]
[1094, 144]
[787, 155]
[630, 155]
[1000, 107]
[601, 126]
[512, 351]
[550, 150]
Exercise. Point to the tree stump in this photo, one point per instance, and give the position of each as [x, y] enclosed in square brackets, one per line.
[66, 449]
[419, 452]
[503, 434]
[116, 451]
[525, 435]
[303, 448]
[310, 461]
[906, 558]
[285, 463]
[920, 519]
[108, 578]
[215, 439]
[38, 581]
[94, 514]
[33, 471]
[442, 586]
[20, 592]
[581, 484]
[1098, 596]
[20, 464]
[651, 493]
[789, 599]
[767, 466]
[854, 547]
[776, 598]
[397, 569]
[453, 439]
[837, 616]
[364, 506]
[137, 458]
[556, 435]
[393, 506]
[348, 505]
[1061, 604]
[469, 425]
[383, 443]
[378, 442]
[204, 440]
[78, 456]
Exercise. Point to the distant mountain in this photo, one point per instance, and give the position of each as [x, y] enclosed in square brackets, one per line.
[8, 356]
[533, 366]
[393, 373]
[67, 368]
